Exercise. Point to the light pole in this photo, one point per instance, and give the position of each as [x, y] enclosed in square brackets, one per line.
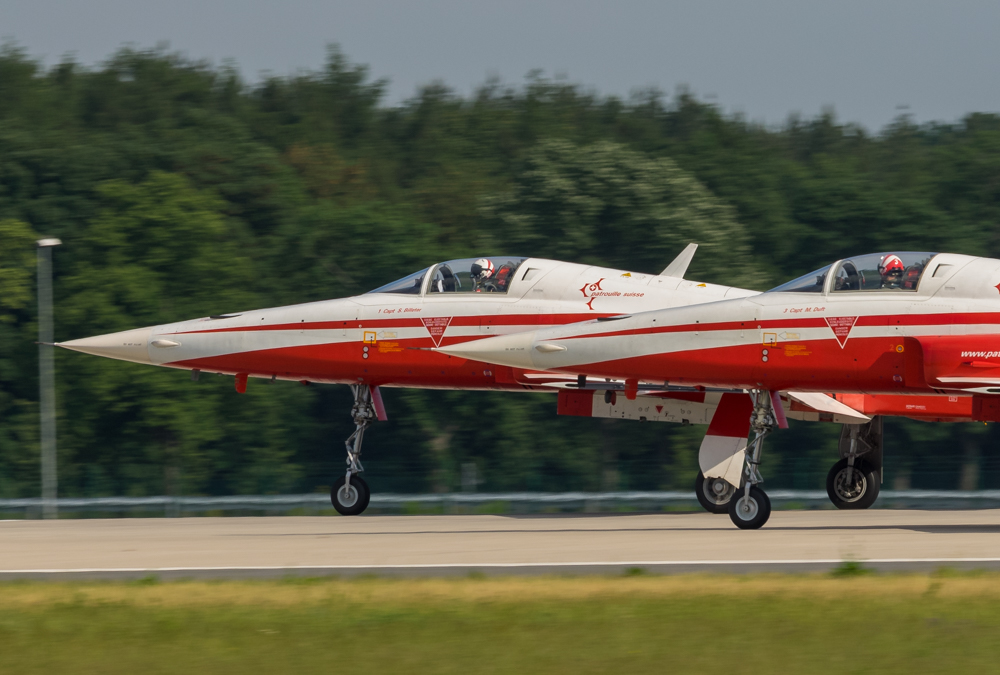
[46, 377]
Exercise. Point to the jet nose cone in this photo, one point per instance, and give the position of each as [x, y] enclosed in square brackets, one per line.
[128, 345]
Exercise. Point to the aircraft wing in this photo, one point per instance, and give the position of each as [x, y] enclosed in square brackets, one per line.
[970, 380]
[679, 265]
[558, 381]
[818, 402]
[826, 403]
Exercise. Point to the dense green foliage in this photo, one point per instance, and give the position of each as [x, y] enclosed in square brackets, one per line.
[180, 190]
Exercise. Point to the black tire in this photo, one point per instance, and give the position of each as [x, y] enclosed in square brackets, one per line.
[863, 489]
[352, 501]
[368, 491]
[713, 493]
[750, 513]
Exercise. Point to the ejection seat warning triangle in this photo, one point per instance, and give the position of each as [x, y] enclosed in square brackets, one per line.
[841, 327]
[436, 327]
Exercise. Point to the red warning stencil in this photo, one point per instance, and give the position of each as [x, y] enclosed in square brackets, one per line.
[841, 327]
[436, 327]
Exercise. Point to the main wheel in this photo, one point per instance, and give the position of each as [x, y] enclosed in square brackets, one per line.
[713, 493]
[859, 491]
[350, 500]
[750, 512]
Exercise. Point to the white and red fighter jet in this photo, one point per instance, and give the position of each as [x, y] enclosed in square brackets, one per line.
[895, 332]
[386, 337]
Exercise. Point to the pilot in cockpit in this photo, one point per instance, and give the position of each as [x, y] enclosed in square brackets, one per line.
[481, 272]
[891, 268]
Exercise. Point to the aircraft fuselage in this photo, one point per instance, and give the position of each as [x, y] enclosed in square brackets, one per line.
[388, 338]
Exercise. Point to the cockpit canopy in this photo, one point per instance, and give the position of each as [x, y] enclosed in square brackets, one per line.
[872, 272]
[408, 285]
[489, 274]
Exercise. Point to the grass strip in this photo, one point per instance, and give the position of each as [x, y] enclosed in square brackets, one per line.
[851, 623]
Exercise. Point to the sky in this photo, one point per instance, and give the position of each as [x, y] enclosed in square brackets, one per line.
[870, 60]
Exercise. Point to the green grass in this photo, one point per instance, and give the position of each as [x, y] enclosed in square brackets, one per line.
[638, 623]
[850, 568]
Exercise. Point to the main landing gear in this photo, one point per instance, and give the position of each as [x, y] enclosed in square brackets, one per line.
[854, 481]
[713, 493]
[750, 507]
[350, 494]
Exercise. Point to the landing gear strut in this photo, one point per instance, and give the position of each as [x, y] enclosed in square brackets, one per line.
[750, 507]
[350, 494]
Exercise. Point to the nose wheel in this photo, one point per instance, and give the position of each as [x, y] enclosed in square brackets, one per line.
[750, 509]
[350, 499]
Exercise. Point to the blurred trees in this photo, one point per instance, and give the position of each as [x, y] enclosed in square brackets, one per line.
[180, 190]
[17, 267]
[608, 205]
[19, 432]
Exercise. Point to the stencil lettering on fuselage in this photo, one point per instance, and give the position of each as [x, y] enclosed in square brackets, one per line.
[436, 326]
[841, 327]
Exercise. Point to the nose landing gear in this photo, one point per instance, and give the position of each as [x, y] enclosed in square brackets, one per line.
[350, 494]
[350, 498]
[750, 507]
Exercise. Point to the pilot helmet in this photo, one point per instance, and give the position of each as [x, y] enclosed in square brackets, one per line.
[891, 265]
[482, 269]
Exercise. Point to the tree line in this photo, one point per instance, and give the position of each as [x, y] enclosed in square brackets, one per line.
[180, 189]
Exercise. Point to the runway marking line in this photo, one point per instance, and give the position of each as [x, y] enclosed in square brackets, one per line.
[632, 563]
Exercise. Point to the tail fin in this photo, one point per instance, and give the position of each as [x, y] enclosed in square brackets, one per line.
[679, 265]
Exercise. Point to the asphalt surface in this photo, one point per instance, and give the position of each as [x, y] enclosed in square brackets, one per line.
[792, 541]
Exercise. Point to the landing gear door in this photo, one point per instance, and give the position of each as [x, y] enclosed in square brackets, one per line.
[867, 442]
[721, 452]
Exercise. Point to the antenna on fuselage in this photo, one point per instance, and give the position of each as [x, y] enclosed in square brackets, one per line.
[679, 265]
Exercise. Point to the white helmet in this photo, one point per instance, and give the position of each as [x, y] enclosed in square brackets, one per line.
[482, 269]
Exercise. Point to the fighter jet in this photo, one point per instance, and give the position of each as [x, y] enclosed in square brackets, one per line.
[386, 337]
[897, 332]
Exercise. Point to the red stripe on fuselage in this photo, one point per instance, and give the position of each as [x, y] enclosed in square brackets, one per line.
[691, 327]
[409, 362]
[344, 362]
[803, 322]
[412, 322]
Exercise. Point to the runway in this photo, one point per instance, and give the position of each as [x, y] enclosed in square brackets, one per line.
[792, 541]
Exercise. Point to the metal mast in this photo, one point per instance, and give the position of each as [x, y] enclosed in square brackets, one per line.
[46, 378]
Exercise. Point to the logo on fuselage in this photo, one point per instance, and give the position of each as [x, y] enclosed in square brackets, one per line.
[591, 291]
